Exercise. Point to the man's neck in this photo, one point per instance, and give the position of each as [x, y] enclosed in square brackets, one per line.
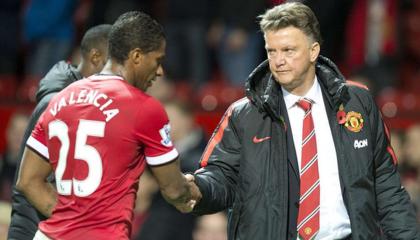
[84, 69]
[114, 68]
[305, 85]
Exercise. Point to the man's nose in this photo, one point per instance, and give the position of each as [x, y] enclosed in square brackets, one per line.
[279, 60]
[159, 71]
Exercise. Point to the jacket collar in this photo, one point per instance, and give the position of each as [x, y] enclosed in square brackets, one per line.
[264, 92]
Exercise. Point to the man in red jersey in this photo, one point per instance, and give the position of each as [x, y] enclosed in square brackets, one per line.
[98, 135]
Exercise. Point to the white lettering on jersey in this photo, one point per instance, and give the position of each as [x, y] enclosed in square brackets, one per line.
[71, 100]
[82, 94]
[110, 114]
[90, 96]
[53, 110]
[105, 105]
[360, 143]
[165, 133]
[96, 103]
[61, 104]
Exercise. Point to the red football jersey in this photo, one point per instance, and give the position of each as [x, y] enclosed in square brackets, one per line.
[97, 134]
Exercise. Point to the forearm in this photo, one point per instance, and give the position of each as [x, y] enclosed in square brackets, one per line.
[217, 191]
[42, 195]
[32, 182]
[396, 213]
[177, 193]
[174, 186]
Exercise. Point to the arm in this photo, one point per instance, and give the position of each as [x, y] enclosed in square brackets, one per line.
[173, 185]
[32, 182]
[39, 109]
[218, 176]
[154, 134]
[395, 211]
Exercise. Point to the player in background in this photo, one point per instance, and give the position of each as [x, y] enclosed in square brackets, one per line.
[94, 53]
[98, 135]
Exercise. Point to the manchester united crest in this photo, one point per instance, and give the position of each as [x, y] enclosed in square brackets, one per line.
[354, 121]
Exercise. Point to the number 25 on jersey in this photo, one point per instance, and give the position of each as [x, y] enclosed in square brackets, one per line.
[82, 152]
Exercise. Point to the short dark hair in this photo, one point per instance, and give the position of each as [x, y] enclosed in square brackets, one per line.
[132, 30]
[95, 37]
[291, 14]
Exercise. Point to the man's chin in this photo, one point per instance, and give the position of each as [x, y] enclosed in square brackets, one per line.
[142, 87]
[282, 80]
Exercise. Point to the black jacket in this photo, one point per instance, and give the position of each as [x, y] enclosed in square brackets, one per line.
[259, 181]
[25, 218]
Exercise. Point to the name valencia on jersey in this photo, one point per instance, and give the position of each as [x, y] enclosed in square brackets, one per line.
[90, 96]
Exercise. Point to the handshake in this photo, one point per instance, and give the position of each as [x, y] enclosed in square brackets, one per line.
[192, 196]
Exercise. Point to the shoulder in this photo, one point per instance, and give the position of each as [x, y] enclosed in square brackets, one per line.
[354, 84]
[151, 102]
[359, 89]
[148, 105]
[360, 95]
[150, 108]
[236, 112]
[239, 106]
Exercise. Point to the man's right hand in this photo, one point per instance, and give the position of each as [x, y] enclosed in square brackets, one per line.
[194, 196]
[195, 191]
[178, 189]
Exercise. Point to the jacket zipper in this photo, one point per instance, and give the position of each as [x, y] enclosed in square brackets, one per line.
[340, 162]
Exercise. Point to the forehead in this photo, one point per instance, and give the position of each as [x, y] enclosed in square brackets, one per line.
[288, 35]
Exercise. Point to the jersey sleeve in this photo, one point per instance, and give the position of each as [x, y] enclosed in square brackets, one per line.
[37, 141]
[153, 132]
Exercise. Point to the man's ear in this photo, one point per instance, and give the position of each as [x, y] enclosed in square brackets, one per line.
[95, 57]
[314, 51]
[135, 56]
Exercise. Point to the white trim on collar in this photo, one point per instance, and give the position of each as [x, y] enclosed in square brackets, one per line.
[106, 77]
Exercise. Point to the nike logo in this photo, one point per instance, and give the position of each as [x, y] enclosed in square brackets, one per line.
[258, 140]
